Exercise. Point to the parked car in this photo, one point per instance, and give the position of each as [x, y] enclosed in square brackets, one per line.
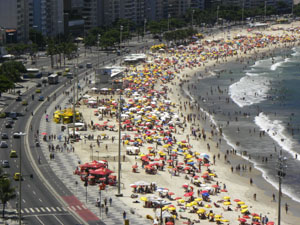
[38, 90]
[3, 144]
[17, 176]
[19, 99]
[41, 98]
[4, 136]
[16, 135]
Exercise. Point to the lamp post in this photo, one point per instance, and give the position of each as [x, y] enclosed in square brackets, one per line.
[119, 157]
[20, 178]
[121, 29]
[74, 116]
[35, 31]
[145, 21]
[218, 7]
[193, 18]
[98, 42]
[100, 203]
[169, 15]
[280, 173]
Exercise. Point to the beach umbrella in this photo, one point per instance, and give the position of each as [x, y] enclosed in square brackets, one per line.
[241, 203]
[225, 220]
[218, 216]
[171, 193]
[144, 199]
[189, 194]
[242, 220]
[207, 206]
[244, 210]
[227, 203]
[237, 200]
[198, 199]
[226, 197]
[244, 206]
[270, 223]
[181, 200]
[201, 211]
[246, 216]
[177, 198]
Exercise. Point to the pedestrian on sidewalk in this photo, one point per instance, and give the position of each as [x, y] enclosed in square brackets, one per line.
[106, 210]
[110, 201]
[124, 215]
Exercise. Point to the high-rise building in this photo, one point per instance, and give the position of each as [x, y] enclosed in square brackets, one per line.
[48, 17]
[14, 16]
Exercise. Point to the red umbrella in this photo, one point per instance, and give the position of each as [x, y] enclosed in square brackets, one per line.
[254, 214]
[237, 200]
[224, 190]
[246, 216]
[270, 223]
[242, 220]
[134, 166]
[196, 177]
[169, 223]
[185, 186]
[133, 186]
[189, 194]
[207, 164]
[177, 198]
[256, 223]
[215, 186]
[44, 133]
[187, 168]
[171, 193]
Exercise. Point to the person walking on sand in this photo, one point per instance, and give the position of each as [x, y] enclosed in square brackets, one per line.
[124, 215]
[254, 196]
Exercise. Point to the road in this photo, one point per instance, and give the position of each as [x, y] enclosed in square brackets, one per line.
[45, 199]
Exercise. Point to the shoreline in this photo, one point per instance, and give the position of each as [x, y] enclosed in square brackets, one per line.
[239, 181]
[265, 186]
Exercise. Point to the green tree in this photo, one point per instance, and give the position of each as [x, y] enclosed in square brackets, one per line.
[51, 50]
[12, 70]
[5, 84]
[7, 192]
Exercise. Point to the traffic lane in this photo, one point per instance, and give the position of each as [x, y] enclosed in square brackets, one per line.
[50, 219]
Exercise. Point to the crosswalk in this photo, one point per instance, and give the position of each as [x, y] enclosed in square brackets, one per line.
[51, 209]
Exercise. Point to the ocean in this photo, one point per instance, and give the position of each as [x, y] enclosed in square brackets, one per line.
[256, 103]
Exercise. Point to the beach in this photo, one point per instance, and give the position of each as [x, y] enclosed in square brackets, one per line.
[172, 101]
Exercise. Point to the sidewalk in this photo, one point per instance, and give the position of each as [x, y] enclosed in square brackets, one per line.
[64, 165]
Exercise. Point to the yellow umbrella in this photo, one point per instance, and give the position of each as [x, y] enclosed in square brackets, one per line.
[256, 217]
[201, 211]
[171, 208]
[181, 200]
[244, 206]
[227, 203]
[198, 199]
[207, 206]
[226, 197]
[165, 207]
[225, 220]
[189, 205]
[244, 210]
[241, 203]
[218, 216]
[144, 199]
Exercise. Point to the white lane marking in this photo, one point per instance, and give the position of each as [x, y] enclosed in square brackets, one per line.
[23, 200]
[58, 220]
[31, 209]
[43, 209]
[39, 220]
[40, 200]
[58, 209]
[78, 207]
[54, 210]
[73, 208]
[22, 211]
[49, 210]
[26, 210]
[34, 192]
[37, 209]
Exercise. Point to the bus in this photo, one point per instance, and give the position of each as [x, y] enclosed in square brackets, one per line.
[53, 79]
[70, 75]
[32, 73]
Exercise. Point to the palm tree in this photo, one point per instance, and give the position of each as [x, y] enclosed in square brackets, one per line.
[6, 191]
[51, 50]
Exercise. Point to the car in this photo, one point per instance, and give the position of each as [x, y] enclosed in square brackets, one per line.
[17, 176]
[80, 66]
[38, 90]
[16, 135]
[38, 85]
[3, 144]
[19, 99]
[8, 125]
[20, 114]
[4, 136]
[5, 164]
[13, 154]
[41, 98]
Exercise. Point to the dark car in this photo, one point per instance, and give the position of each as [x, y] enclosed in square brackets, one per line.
[38, 85]
[41, 98]
[8, 125]
[19, 99]
[4, 136]
[3, 144]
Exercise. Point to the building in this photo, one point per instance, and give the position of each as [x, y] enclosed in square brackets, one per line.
[14, 15]
[48, 17]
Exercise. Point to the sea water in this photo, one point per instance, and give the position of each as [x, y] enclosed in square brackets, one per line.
[257, 105]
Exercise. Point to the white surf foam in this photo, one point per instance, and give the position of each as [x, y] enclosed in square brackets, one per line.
[276, 131]
[249, 90]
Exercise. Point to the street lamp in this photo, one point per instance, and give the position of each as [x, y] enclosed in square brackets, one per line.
[20, 178]
[169, 15]
[193, 18]
[145, 21]
[98, 42]
[119, 157]
[121, 29]
[100, 203]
